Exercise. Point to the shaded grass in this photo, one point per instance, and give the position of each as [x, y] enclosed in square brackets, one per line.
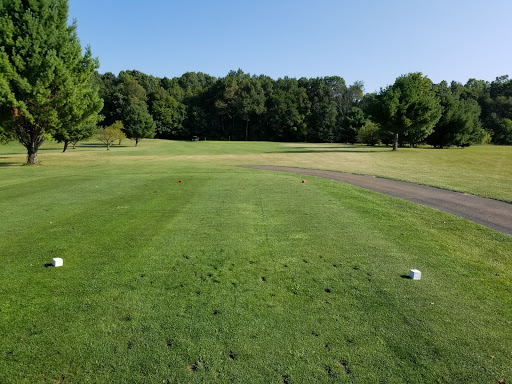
[239, 275]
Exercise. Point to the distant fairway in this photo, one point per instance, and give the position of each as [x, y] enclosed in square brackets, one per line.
[241, 275]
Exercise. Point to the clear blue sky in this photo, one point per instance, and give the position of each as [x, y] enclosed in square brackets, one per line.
[370, 40]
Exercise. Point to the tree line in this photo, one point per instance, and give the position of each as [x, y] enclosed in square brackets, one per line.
[49, 87]
[324, 109]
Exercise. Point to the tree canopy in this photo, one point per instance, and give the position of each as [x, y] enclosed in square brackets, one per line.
[138, 123]
[409, 108]
[45, 79]
[241, 106]
[109, 135]
[459, 124]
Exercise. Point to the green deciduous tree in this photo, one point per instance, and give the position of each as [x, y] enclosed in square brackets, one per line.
[499, 110]
[252, 102]
[112, 96]
[503, 132]
[168, 114]
[138, 123]
[6, 135]
[323, 112]
[369, 133]
[45, 79]
[132, 91]
[459, 124]
[109, 135]
[75, 133]
[351, 123]
[409, 108]
[227, 103]
[285, 117]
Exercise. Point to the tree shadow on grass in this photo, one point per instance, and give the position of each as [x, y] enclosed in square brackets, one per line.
[91, 145]
[9, 164]
[333, 150]
[6, 164]
[99, 145]
[330, 147]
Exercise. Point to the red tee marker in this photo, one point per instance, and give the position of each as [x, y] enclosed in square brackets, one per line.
[180, 181]
[303, 181]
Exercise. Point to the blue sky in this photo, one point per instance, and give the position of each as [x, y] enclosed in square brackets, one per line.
[370, 40]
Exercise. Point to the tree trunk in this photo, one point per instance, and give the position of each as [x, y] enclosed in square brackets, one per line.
[395, 142]
[32, 154]
[108, 146]
[31, 137]
[136, 141]
[32, 149]
[32, 158]
[66, 143]
[247, 130]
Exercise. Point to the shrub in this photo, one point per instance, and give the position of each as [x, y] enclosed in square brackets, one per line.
[112, 133]
[369, 133]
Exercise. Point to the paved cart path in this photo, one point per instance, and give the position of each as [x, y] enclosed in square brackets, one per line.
[491, 213]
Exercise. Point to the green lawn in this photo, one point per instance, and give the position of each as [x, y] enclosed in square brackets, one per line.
[241, 275]
[480, 170]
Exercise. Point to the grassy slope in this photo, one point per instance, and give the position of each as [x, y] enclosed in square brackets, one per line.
[238, 275]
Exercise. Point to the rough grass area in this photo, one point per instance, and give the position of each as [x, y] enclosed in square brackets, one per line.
[237, 275]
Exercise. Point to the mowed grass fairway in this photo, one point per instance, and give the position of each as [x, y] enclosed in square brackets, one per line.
[241, 275]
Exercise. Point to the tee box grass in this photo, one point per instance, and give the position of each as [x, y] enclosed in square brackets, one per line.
[238, 275]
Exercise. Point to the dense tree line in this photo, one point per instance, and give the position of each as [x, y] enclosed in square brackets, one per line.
[237, 107]
[243, 107]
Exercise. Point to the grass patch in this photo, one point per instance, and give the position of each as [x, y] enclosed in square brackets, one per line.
[238, 275]
[480, 170]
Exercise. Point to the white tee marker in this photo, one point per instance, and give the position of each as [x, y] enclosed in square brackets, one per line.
[415, 274]
[57, 262]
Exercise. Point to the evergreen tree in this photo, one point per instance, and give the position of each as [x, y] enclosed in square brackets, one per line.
[45, 81]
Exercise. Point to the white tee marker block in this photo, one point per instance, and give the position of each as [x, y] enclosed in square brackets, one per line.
[415, 274]
[57, 262]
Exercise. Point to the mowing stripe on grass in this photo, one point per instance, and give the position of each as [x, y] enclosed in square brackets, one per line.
[488, 212]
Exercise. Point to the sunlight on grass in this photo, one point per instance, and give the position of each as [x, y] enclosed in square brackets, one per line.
[479, 170]
[239, 275]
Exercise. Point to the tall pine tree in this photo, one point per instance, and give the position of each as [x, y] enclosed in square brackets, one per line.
[45, 84]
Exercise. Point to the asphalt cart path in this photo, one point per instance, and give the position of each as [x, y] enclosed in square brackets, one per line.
[488, 212]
